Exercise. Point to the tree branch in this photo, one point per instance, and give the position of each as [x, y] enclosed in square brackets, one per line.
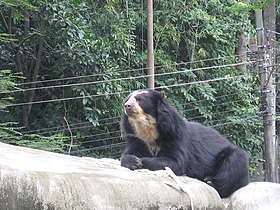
[28, 37]
[71, 135]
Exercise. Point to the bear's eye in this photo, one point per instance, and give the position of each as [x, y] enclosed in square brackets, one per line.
[138, 99]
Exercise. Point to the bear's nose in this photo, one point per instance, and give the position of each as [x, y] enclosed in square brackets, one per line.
[128, 109]
[127, 106]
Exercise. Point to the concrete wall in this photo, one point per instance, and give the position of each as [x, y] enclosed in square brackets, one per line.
[34, 179]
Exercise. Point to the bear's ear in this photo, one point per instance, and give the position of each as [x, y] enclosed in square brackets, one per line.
[165, 120]
[161, 95]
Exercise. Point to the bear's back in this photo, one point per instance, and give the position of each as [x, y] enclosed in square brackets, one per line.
[205, 143]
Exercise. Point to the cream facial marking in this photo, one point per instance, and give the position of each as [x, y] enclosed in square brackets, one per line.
[132, 102]
[144, 125]
[145, 129]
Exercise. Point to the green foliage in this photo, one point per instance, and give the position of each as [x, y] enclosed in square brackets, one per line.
[24, 4]
[6, 38]
[259, 4]
[230, 105]
[10, 131]
[55, 143]
[7, 129]
[6, 83]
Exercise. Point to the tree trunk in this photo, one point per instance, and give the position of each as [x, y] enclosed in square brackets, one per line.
[269, 92]
[265, 22]
[29, 96]
[241, 48]
[241, 53]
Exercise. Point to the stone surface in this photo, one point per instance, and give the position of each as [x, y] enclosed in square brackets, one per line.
[34, 179]
[256, 196]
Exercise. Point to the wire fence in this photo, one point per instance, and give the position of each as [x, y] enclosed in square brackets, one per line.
[103, 137]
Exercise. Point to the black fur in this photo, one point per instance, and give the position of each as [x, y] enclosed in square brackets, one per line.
[188, 148]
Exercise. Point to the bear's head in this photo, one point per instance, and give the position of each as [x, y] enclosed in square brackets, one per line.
[141, 104]
[149, 113]
[141, 111]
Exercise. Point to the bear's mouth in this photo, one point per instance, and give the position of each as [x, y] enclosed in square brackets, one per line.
[130, 112]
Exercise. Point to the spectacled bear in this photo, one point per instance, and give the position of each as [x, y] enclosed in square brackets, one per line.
[158, 137]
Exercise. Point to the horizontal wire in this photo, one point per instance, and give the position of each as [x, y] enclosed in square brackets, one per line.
[274, 32]
[224, 112]
[235, 122]
[137, 69]
[118, 132]
[122, 92]
[203, 100]
[202, 116]
[122, 143]
[74, 125]
[116, 145]
[128, 78]
[183, 111]
[201, 82]
[100, 140]
[258, 113]
[76, 128]
[111, 146]
[67, 99]
[221, 104]
[210, 122]
[215, 125]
